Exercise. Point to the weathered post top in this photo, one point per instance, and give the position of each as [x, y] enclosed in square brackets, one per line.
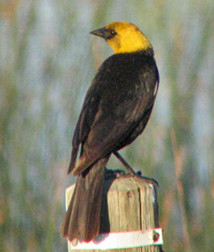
[129, 216]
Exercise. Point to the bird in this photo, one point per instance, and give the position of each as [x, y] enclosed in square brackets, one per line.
[116, 109]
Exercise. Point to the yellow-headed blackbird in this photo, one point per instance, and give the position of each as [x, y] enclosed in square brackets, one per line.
[116, 110]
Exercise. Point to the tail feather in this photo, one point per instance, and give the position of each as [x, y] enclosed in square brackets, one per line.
[83, 215]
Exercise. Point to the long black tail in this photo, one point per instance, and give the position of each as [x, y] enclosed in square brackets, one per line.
[83, 215]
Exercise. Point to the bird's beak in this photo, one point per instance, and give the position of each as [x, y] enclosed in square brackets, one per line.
[99, 32]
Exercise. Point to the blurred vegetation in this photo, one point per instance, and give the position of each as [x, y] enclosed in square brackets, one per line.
[47, 60]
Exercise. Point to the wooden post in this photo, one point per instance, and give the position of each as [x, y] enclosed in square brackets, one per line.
[128, 204]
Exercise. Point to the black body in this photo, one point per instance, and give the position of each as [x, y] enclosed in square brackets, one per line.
[116, 110]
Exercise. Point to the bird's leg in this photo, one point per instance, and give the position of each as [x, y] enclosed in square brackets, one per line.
[132, 172]
[123, 161]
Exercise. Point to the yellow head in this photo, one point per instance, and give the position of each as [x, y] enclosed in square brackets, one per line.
[123, 37]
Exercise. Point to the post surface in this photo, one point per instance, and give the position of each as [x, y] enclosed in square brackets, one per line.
[128, 204]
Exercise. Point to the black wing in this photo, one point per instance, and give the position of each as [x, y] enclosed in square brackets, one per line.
[85, 120]
[116, 108]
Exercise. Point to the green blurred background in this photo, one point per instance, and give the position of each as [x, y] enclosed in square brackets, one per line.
[47, 61]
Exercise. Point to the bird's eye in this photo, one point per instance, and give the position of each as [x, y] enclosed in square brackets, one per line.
[111, 34]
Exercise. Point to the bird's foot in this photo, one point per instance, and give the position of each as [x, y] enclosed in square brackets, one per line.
[146, 179]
